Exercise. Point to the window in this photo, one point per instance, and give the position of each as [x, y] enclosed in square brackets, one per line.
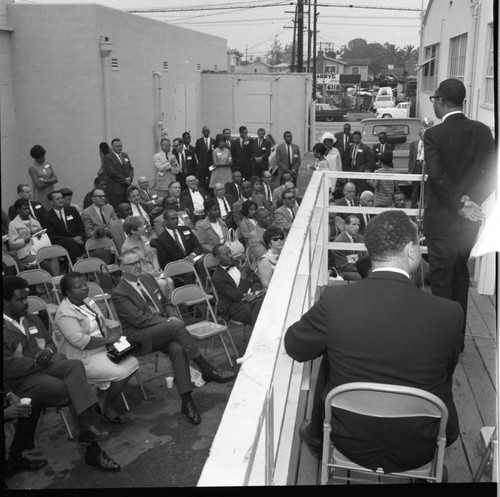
[114, 64]
[331, 69]
[198, 67]
[355, 70]
[458, 50]
[165, 65]
[489, 88]
[216, 67]
[429, 66]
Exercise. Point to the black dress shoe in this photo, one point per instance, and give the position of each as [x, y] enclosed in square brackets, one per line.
[92, 435]
[24, 464]
[189, 410]
[95, 456]
[315, 445]
[218, 375]
[104, 416]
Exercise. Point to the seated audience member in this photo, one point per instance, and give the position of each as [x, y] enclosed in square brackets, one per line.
[348, 200]
[345, 260]
[366, 199]
[82, 333]
[268, 188]
[152, 201]
[37, 210]
[169, 203]
[116, 225]
[150, 321]
[27, 416]
[358, 330]
[285, 215]
[399, 200]
[100, 184]
[256, 239]
[67, 194]
[138, 208]
[226, 202]
[24, 240]
[248, 222]
[384, 188]
[233, 187]
[274, 239]
[64, 226]
[286, 184]
[232, 285]
[194, 198]
[257, 195]
[166, 166]
[211, 230]
[246, 194]
[139, 242]
[97, 218]
[34, 368]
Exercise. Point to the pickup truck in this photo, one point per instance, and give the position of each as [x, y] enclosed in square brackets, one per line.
[400, 133]
[401, 110]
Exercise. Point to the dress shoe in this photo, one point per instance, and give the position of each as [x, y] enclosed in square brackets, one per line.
[218, 375]
[189, 410]
[92, 435]
[23, 464]
[103, 415]
[95, 456]
[315, 445]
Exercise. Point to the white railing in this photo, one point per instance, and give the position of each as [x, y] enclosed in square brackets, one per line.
[257, 437]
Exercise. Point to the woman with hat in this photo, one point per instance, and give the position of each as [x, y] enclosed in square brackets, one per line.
[43, 176]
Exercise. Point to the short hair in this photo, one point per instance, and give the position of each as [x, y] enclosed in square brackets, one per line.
[186, 133]
[209, 204]
[382, 133]
[168, 211]
[349, 217]
[21, 202]
[66, 192]
[12, 283]
[226, 129]
[366, 194]
[177, 140]
[286, 132]
[172, 183]
[261, 129]
[235, 173]
[282, 179]
[98, 180]
[216, 248]
[132, 223]
[114, 140]
[163, 140]
[452, 91]
[241, 129]
[245, 207]
[104, 147]
[21, 187]
[271, 231]
[320, 148]
[125, 254]
[51, 195]
[67, 281]
[130, 189]
[387, 234]
[255, 179]
[356, 133]
[386, 157]
[261, 210]
[285, 192]
[37, 151]
[219, 138]
[92, 193]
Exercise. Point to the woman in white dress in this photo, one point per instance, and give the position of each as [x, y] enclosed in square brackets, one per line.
[222, 162]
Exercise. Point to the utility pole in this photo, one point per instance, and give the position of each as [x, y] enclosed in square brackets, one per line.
[309, 35]
[300, 35]
[315, 15]
[294, 38]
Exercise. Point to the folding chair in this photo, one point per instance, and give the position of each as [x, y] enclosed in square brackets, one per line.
[240, 237]
[207, 328]
[106, 244]
[252, 261]
[176, 268]
[383, 401]
[93, 267]
[9, 261]
[51, 252]
[42, 277]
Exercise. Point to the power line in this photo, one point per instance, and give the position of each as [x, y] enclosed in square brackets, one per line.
[200, 8]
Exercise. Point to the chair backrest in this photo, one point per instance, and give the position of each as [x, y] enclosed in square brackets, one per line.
[252, 262]
[103, 243]
[190, 293]
[36, 305]
[51, 252]
[40, 277]
[98, 294]
[386, 401]
[90, 265]
[9, 261]
[175, 268]
[239, 236]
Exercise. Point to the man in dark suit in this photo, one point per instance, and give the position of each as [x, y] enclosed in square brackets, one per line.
[261, 153]
[366, 199]
[119, 173]
[150, 321]
[267, 187]
[460, 161]
[288, 157]
[34, 368]
[177, 151]
[226, 202]
[381, 329]
[360, 160]
[242, 151]
[188, 155]
[348, 200]
[203, 149]
[193, 199]
[381, 147]
[233, 187]
[64, 226]
[37, 210]
[343, 144]
[345, 260]
[232, 285]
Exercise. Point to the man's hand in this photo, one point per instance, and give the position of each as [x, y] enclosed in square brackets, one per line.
[78, 239]
[248, 297]
[128, 180]
[190, 257]
[100, 232]
[43, 357]
[470, 210]
[17, 410]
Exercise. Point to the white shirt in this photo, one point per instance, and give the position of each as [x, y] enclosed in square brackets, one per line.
[450, 114]
[234, 272]
[420, 150]
[393, 270]
[138, 210]
[222, 207]
[177, 238]
[197, 200]
[217, 228]
[19, 325]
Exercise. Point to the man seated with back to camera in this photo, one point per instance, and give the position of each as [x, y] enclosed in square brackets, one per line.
[358, 331]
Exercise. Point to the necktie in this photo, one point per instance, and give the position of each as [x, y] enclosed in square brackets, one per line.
[238, 190]
[345, 141]
[293, 215]
[179, 241]
[32, 211]
[225, 204]
[183, 162]
[268, 193]
[290, 155]
[121, 158]
[260, 143]
[102, 216]
[148, 194]
[382, 148]
[366, 218]
[145, 295]
[207, 143]
[354, 152]
[63, 218]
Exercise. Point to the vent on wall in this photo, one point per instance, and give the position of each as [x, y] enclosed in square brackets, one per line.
[198, 67]
[165, 65]
[114, 64]
[216, 67]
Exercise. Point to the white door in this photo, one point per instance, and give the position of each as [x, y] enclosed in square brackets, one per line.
[252, 104]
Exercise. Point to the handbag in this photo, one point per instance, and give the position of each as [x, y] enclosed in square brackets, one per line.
[237, 248]
[38, 243]
[120, 349]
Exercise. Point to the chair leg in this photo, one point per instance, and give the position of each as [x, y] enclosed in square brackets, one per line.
[157, 362]
[125, 401]
[232, 343]
[141, 386]
[227, 351]
[65, 421]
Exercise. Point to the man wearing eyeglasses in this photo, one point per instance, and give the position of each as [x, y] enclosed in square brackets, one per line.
[149, 320]
[460, 161]
[285, 215]
[97, 218]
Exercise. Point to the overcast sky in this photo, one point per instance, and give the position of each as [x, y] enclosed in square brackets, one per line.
[253, 24]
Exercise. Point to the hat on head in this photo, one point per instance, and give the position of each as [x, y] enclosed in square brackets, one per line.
[328, 136]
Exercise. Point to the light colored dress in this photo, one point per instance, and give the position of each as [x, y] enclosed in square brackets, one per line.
[384, 188]
[222, 172]
[267, 263]
[41, 190]
[73, 327]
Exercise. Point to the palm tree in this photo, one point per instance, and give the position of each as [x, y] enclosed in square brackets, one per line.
[409, 55]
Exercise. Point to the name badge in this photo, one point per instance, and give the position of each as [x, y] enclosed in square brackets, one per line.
[154, 196]
[219, 154]
[91, 302]
[38, 206]
[46, 166]
[33, 330]
[189, 158]
[69, 218]
[146, 242]
[264, 148]
[359, 151]
[295, 155]
[126, 160]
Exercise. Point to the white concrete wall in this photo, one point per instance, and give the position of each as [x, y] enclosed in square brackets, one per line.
[59, 87]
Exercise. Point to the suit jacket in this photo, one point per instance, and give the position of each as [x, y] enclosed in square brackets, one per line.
[264, 151]
[187, 202]
[227, 291]
[117, 233]
[343, 201]
[229, 218]
[364, 158]
[242, 156]
[283, 217]
[389, 147]
[256, 243]
[358, 330]
[340, 256]
[412, 158]
[283, 161]
[92, 219]
[134, 313]
[169, 250]
[207, 237]
[55, 227]
[116, 172]
[188, 166]
[205, 159]
[344, 151]
[232, 190]
[37, 207]
[460, 160]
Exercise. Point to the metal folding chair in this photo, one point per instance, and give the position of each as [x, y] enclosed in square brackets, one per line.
[93, 267]
[383, 401]
[9, 261]
[106, 244]
[42, 277]
[51, 252]
[177, 268]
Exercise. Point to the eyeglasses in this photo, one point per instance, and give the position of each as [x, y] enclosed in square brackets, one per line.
[433, 97]
[98, 196]
[81, 286]
[290, 198]
[135, 263]
[277, 238]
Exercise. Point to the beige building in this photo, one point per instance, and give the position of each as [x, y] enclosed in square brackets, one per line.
[458, 42]
[72, 76]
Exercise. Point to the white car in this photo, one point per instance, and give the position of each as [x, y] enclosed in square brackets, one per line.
[401, 110]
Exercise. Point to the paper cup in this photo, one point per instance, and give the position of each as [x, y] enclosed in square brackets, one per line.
[169, 380]
[26, 401]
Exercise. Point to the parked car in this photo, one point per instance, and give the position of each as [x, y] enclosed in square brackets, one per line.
[326, 112]
[384, 98]
[401, 110]
[400, 133]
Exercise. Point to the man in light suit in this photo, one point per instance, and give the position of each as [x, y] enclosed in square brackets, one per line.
[385, 330]
[261, 152]
[241, 151]
[119, 173]
[285, 215]
[232, 284]
[150, 321]
[203, 148]
[256, 240]
[343, 144]
[288, 156]
[97, 218]
[152, 201]
[460, 161]
[366, 199]
[37, 210]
